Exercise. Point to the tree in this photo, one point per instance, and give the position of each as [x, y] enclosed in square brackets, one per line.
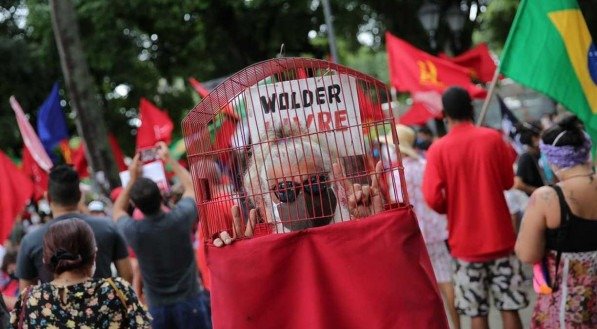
[83, 95]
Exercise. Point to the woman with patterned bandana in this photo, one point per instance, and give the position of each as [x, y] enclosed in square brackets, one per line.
[559, 229]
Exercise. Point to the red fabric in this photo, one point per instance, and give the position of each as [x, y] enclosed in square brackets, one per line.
[15, 190]
[414, 70]
[417, 114]
[202, 91]
[155, 126]
[370, 111]
[30, 138]
[478, 60]
[80, 161]
[223, 139]
[36, 174]
[370, 273]
[117, 151]
[466, 174]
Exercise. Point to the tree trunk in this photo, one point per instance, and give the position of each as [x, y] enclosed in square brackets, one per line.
[83, 94]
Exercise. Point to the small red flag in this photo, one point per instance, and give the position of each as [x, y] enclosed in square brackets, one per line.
[414, 70]
[80, 161]
[202, 91]
[478, 60]
[15, 190]
[370, 110]
[427, 105]
[156, 125]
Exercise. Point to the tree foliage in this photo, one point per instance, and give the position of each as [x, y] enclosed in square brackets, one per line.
[152, 46]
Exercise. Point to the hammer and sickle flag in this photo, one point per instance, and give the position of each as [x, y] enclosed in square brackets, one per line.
[413, 70]
[550, 49]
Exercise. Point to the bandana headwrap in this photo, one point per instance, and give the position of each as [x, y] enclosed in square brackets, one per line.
[567, 155]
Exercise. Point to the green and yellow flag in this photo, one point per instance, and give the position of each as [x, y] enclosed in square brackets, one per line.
[550, 49]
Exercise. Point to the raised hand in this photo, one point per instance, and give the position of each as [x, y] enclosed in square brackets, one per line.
[135, 168]
[162, 151]
[363, 200]
[224, 238]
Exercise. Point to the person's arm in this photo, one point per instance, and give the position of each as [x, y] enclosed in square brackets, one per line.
[124, 268]
[520, 185]
[530, 244]
[121, 203]
[434, 186]
[184, 176]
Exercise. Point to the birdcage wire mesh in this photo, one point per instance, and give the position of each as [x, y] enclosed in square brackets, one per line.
[296, 138]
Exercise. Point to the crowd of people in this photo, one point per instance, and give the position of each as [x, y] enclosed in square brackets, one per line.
[68, 264]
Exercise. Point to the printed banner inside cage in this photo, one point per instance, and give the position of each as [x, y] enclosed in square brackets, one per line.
[327, 104]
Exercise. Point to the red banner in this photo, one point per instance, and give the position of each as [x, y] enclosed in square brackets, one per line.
[478, 60]
[156, 125]
[413, 70]
[15, 190]
[370, 273]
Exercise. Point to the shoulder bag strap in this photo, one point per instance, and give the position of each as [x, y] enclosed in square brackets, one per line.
[24, 301]
[562, 231]
[119, 294]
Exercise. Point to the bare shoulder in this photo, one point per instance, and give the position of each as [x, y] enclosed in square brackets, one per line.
[545, 195]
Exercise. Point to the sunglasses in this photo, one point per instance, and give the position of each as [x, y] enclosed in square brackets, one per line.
[288, 191]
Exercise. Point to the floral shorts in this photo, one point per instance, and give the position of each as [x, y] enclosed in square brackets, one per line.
[474, 281]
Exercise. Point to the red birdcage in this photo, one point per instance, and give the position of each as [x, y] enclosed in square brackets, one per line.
[295, 126]
[302, 146]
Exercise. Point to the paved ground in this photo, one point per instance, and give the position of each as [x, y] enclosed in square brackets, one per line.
[495, 320]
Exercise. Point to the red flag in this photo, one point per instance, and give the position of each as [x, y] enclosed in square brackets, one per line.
[478, 60]
[80, 160]
[202, 91]
[370, 111]
[370, 273]
[15, 190]
[155, 126]
[117, 151]
[30, 137]
[414, 70]
[35, 173]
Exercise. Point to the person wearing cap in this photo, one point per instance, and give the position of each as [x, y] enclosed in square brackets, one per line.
[433, 225]
[96, 208]
[466, 174]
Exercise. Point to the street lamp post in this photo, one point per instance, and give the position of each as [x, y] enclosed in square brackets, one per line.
[429, 15]
[456, 19]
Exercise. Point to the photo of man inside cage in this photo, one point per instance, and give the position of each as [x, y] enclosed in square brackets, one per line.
[298, 165]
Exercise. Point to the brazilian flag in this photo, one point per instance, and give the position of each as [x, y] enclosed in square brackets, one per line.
[550, 49]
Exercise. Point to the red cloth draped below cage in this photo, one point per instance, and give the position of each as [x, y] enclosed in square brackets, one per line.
[304, 164]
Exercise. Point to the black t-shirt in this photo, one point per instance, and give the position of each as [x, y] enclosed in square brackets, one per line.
[528, 170]
[110, 247]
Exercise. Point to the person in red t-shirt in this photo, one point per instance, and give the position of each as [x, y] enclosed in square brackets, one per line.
[466, 174]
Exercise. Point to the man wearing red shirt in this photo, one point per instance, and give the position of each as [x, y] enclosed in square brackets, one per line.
[466, 174]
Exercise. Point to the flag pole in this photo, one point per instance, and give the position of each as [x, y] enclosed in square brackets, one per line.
[489, 96]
